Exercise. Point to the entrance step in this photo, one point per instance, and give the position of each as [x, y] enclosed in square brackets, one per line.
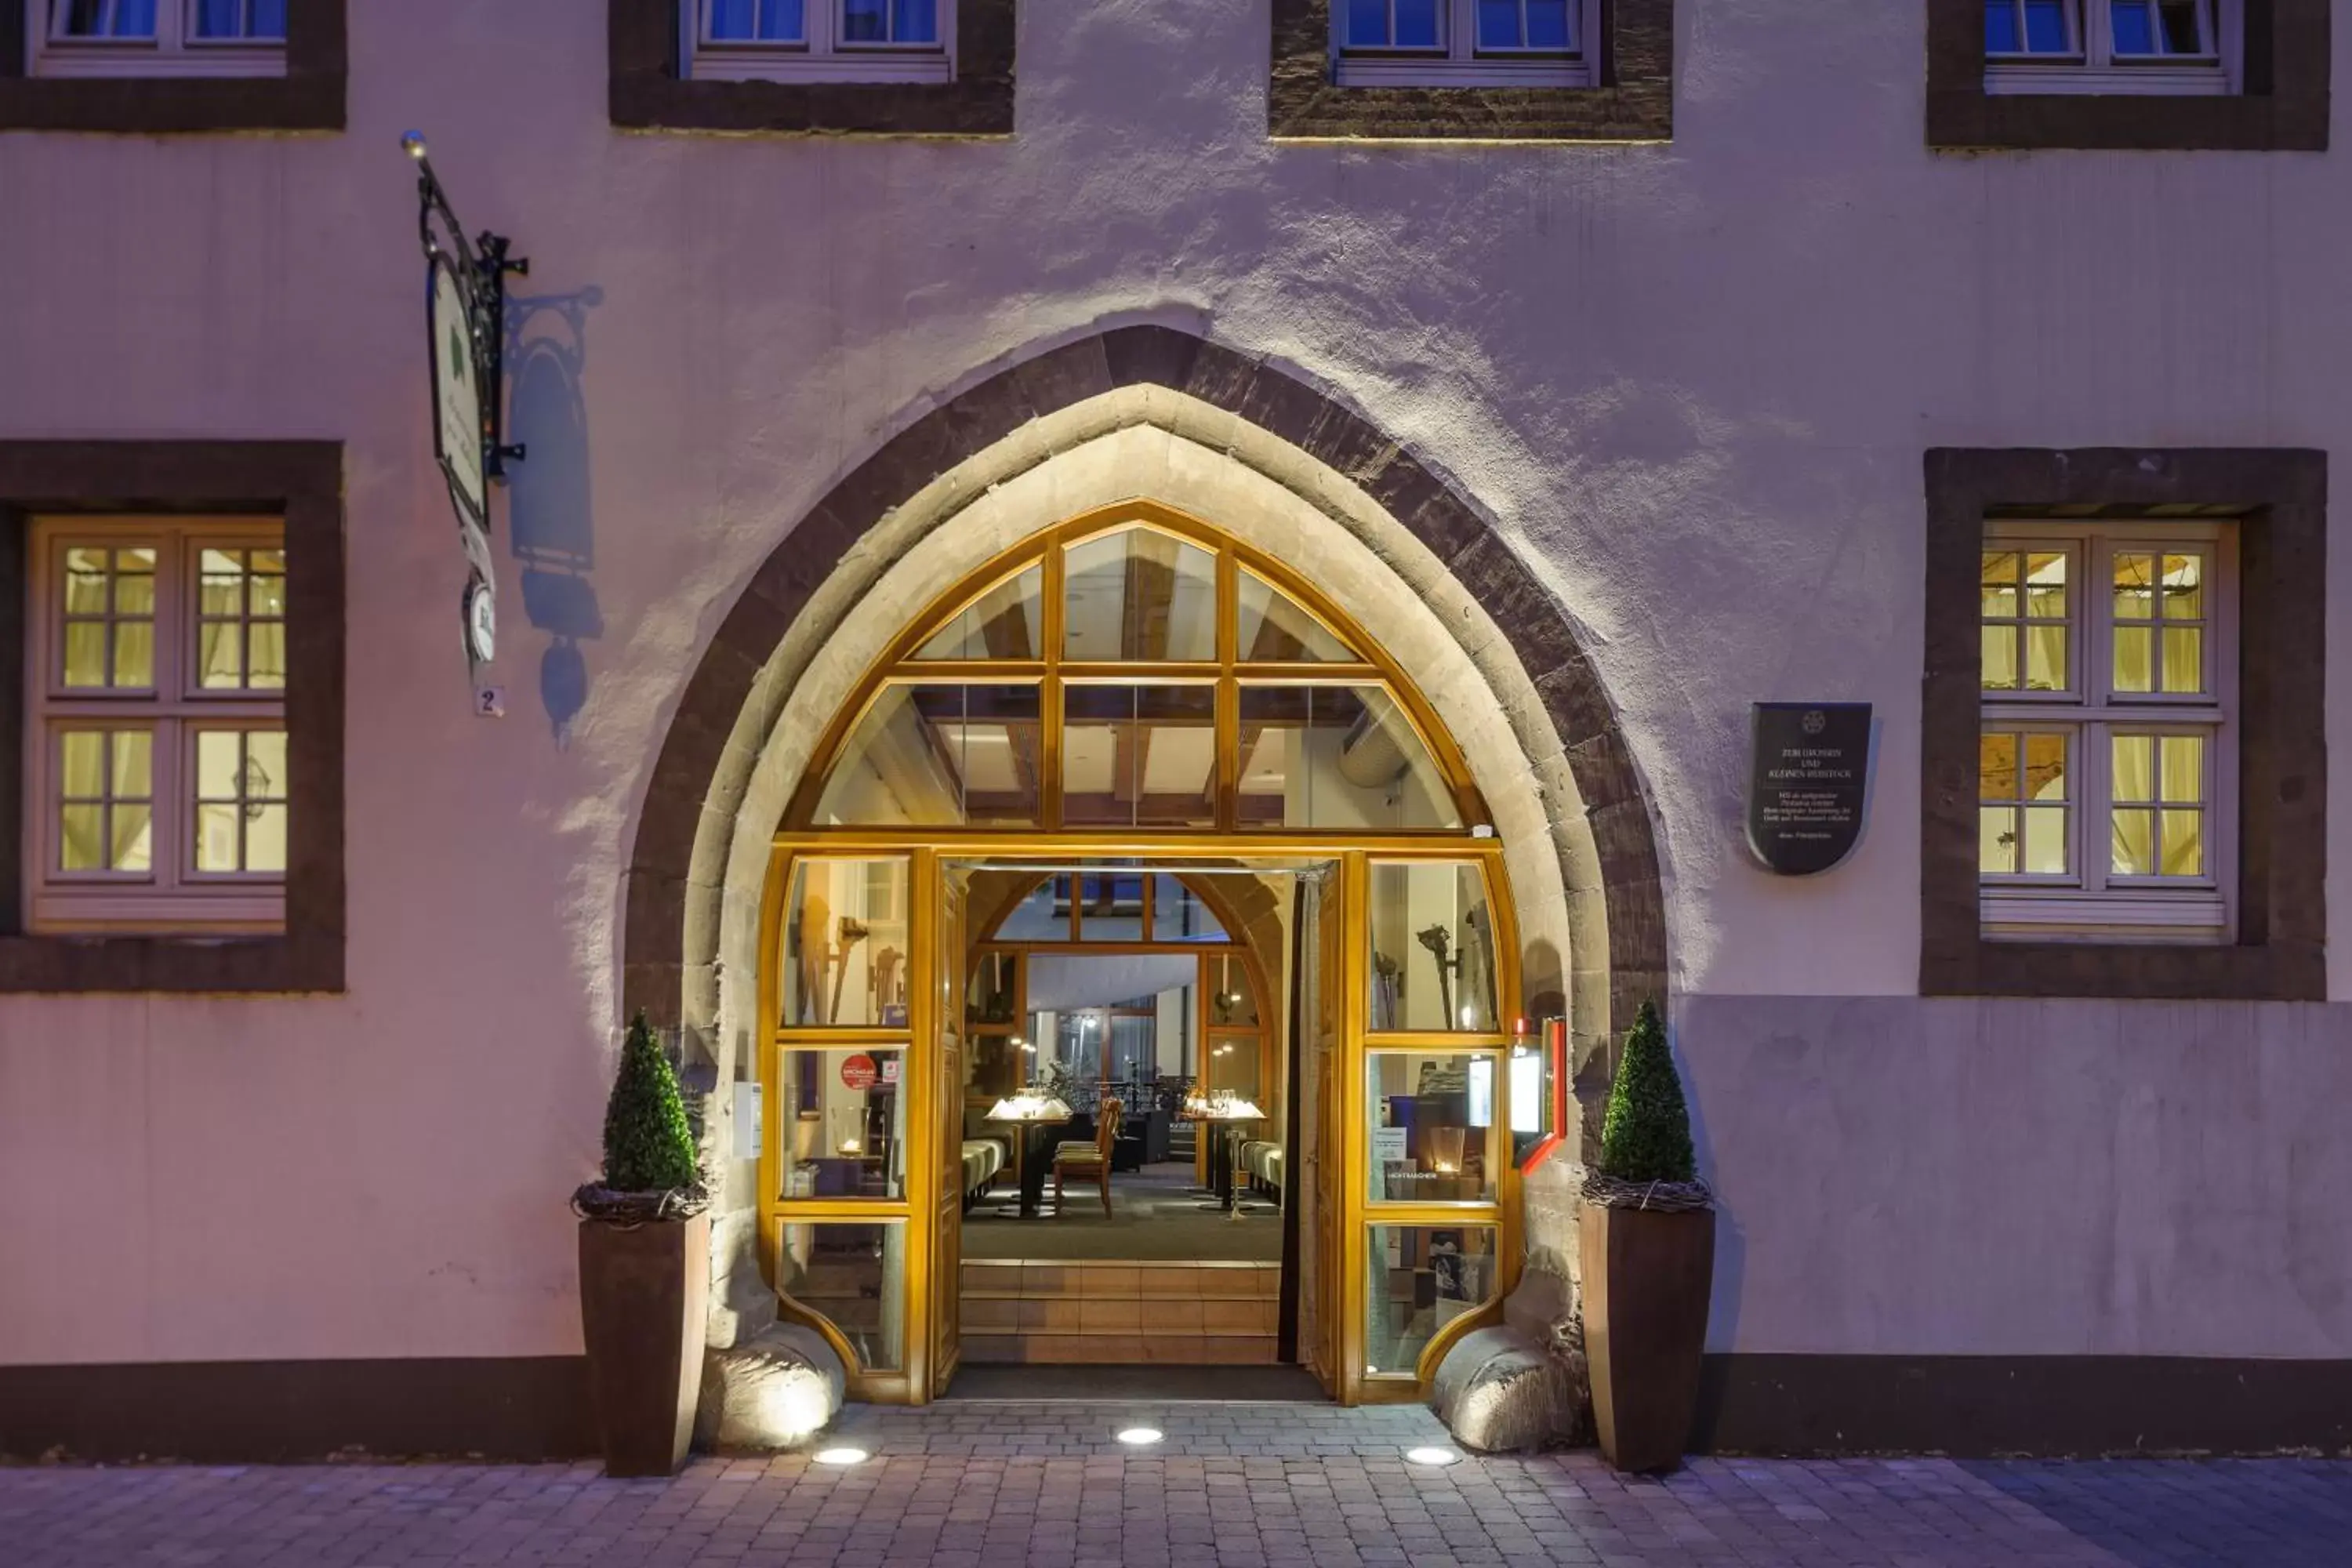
[1112, 1312]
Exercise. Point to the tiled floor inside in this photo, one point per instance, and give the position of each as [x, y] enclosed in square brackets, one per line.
[969, 1484]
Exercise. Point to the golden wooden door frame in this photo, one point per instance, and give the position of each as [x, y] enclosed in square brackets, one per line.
[932, 1192]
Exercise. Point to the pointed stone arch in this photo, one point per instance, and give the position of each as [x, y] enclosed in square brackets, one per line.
[675, 904]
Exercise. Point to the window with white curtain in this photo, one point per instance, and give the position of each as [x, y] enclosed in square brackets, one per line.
[157, 763]
[1466, 43]
[2111, 46]
[2106, 799]
[157, 37]
[820, 40]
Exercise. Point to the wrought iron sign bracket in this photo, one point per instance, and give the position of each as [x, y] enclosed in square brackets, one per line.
[494, 265]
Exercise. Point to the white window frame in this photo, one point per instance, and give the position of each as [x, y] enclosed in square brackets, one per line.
[172, 897]
[2090, 902]
[174, 50]
[1459, 61]
[823, 56]
[2091, 66]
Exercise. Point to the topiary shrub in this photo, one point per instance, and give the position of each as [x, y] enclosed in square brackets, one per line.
[1646, 1135]
[648, 1147]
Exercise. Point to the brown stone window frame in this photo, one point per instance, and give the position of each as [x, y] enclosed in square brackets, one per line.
[1635, 102]
[2282, 107]
[309, 97]
[2276, 499]
[646, 92]
[302, 483]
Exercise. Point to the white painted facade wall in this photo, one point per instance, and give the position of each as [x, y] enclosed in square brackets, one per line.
[1693, 384]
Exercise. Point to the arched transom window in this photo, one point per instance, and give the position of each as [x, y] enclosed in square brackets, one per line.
[1132, 670]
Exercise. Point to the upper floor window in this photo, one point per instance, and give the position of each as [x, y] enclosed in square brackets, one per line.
[2111, 46]
[2106, 784]
[158, 38]
[820, 40]
[157, 748]
[1466, 43]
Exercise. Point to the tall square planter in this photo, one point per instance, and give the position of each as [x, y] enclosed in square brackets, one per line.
[644, 1291]
[1647, 1277]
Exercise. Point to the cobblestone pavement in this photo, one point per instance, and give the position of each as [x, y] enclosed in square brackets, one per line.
[1249, 1486]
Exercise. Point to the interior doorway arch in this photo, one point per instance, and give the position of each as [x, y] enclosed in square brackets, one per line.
[1138, 411]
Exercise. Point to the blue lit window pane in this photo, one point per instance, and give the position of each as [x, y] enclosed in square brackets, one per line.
[866, 21]
[729, 20]
[268, 19]
[91, 19]
[781, 22]
[755, 21]
[1498, 24]
[220, 19]
[1367, 24]
[2046, 26]
[1549, 25]
[2134, 28]
[1418, 24]
[2001, 27]
[916, 21]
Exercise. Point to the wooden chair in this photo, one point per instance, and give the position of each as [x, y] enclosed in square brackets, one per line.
[1090, 1159]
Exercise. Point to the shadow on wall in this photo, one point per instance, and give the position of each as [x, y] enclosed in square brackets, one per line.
[550, 508]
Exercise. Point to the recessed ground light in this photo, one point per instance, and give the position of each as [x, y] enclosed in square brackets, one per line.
[1431, 1456]
[841, 1455]
[1140, 1436]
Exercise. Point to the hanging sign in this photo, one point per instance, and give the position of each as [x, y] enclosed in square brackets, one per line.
[456, 398]
[857, 1072]
[465, 321]
[1808, 785]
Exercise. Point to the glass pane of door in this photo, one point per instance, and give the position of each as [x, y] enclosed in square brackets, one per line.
[1140, 594]
[1431, 1131]
[1002, 623]
[1138, 756]
[844, 1122]
[1275, 628]
[845, 945]
[1433, 958]
[1420, 1278]
[1336, 756]
[853, 1275]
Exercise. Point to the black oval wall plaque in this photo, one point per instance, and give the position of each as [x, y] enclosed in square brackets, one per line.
[1807, 785]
